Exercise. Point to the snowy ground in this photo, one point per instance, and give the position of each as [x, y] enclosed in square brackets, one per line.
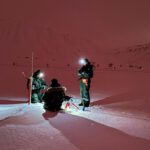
[29, 127]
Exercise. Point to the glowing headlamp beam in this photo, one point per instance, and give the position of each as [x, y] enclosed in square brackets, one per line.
[82, 61]
[41, 75]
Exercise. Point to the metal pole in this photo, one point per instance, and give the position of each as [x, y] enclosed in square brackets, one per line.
[31, 78]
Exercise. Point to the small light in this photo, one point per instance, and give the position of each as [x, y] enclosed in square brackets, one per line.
[82, 61]
[41, 75]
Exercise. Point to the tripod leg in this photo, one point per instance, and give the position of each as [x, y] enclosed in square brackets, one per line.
[75, 105]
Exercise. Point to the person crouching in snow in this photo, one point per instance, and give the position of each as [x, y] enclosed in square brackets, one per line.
[54, 96]
[38, 85]
[85, 74]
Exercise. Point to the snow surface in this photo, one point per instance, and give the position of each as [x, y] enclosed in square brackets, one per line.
[30, 127]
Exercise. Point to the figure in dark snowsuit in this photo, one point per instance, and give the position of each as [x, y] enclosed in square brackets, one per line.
[38, 85]
[85, 74]
[54, 96]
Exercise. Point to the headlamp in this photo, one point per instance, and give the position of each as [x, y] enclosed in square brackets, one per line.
[41, 75]
[82, 61]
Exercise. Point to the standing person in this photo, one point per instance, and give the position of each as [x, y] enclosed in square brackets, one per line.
[85, 74]
[38, 84]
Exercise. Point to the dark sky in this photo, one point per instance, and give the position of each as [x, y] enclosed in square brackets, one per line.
[108, 23]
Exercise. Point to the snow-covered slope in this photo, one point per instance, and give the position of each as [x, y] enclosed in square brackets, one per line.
[30, 127]
[60, 32]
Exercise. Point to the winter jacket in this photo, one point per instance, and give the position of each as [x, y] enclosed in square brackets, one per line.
[53, 98]
[86, 71]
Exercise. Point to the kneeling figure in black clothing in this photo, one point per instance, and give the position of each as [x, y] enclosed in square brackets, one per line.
[54, 96]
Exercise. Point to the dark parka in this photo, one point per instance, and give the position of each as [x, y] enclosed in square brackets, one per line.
[54, 96]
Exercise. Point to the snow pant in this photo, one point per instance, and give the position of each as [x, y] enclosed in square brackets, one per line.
[36, 97]
[84, 91]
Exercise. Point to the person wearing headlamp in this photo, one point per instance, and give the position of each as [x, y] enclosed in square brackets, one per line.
[85, 74]
[38, 85]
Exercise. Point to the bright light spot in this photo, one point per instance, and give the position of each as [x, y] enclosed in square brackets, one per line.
[82, 61]
[41, 75]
